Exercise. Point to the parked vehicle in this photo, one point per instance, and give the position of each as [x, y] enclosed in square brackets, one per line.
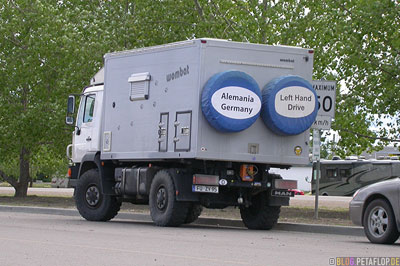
[345, 177]
[59, 182]
[377, 208]
[185, 125]
[297, 191]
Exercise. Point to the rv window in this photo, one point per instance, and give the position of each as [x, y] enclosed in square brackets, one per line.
[384, 170]
[345, 172]
[331, 173]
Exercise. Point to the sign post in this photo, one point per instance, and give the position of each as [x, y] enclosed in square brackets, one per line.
[326, 92]
[317, 171]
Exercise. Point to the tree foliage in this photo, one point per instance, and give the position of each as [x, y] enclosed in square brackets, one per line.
[357, 42]
[49, 49]
[38, 54]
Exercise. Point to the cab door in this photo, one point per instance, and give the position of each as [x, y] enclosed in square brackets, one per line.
[86, 136]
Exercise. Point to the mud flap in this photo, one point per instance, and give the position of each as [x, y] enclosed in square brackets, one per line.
[183, 185]
[278, 201]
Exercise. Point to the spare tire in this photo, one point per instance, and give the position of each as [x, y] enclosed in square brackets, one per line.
[231, 101]
[289, 105]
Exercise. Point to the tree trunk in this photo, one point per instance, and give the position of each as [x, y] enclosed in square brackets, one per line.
[21, 188]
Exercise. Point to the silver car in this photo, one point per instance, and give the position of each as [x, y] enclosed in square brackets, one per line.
[377, 208]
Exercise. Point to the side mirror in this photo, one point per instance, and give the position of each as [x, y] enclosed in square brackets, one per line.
[69, 120]
[308, 179]
[71, 105]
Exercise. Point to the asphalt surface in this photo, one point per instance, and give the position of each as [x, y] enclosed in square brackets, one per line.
[206, 221]
[58, 240]
[297, 201]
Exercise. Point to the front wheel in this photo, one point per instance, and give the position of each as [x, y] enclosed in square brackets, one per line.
[379, 223]
[91, 203]
[259, 215]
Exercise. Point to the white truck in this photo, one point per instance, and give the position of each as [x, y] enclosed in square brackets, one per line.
[192, 124]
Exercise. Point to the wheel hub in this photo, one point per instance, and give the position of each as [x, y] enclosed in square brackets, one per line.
[92, 195]
[378, 221]
[161, 198]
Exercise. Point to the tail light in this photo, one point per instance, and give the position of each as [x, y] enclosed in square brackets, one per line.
[285, 184]
[211, 180]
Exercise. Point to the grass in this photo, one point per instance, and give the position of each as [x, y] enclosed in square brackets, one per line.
[288, 214]
[35, 184]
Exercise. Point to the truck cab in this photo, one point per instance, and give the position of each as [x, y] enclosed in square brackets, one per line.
[86, 137]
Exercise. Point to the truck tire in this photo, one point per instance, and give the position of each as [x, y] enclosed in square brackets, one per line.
[259, 215]
[91, 203]
[193, 213]
[379, 223]
[236, 82]
[164, 209]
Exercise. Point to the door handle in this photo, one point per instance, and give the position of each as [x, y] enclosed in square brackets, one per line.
[88, 138]
[69, 151]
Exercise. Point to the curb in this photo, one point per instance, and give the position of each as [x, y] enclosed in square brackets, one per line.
[305, 228]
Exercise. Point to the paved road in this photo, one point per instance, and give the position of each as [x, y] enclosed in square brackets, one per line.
[37, 239]
[300, 201]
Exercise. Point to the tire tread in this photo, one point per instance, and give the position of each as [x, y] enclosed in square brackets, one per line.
[264, 219]
[392, 234]
[175, 215]
[110, 205]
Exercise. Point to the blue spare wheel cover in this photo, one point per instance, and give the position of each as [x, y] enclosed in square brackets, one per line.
[289, 105]
[231, 101]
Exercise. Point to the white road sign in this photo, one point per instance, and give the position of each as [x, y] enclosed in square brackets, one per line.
[316, 153]
[326, 92]
[322, 122]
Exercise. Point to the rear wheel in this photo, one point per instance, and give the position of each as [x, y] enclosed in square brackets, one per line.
[165, 210]
[379, 223]
[193, 213]
[91, 203]
[259, 215]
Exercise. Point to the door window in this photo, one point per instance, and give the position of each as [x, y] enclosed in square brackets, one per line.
[86, 110]
[89, 108]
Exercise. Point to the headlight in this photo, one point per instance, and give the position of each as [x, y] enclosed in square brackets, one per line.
[355, 194]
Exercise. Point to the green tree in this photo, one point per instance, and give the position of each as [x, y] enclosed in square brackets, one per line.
[357, 42]
[39, 51]
[49, 49]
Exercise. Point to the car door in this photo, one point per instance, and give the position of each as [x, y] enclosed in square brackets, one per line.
[85, 123]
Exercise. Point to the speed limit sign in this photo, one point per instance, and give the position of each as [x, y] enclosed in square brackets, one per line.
[326, 92]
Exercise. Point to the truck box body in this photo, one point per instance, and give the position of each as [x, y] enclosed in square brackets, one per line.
[153, 103]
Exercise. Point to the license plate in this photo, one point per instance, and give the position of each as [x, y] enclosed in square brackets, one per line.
[205, 189]
[282, 193]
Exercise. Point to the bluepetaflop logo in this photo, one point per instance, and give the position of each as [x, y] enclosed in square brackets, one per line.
[236, 102]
